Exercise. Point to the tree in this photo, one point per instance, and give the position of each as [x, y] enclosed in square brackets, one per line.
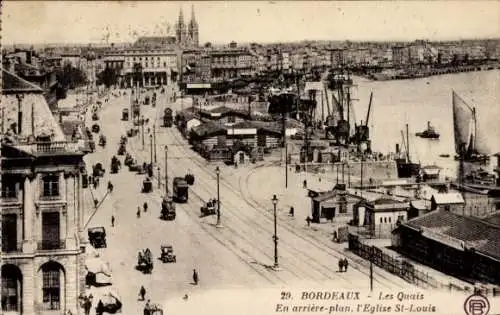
[71, 77]
[108, 77]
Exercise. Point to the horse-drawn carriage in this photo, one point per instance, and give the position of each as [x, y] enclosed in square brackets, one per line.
[122, 149]
[115, 165]
[96, 128]
[167, 254]
[132, 132]
[123, 140]
[167, 209]
[210, 208]
[128, 159]
[97, 237]
[98, 170]
[153, 309]
[102, 141]
[145, 261]
[109, 303]
[147, 185]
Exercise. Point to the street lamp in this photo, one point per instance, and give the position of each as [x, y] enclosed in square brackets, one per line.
[166, 170]
[217, 172]
[151, 148]
[19, 113]
[142, 130]
[275, 236]
[154, 141]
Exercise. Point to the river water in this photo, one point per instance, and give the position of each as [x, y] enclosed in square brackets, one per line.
[414, 102]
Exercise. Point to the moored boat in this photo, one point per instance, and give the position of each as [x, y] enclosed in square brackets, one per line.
[469, 142]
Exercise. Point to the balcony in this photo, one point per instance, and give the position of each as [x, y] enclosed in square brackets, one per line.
[51, 148]
[49, 197]
[51, 245]
[11, 247]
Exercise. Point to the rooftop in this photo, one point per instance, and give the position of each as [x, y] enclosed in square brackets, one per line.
[479, 234]
[12, 83]
[448, 198]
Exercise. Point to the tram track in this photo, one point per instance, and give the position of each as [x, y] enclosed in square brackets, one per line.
[309, 261]
[231, 246]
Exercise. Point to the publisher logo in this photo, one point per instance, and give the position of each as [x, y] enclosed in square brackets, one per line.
[477, 304]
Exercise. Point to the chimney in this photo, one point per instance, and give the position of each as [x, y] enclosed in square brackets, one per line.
[397, 148]
[29, 57]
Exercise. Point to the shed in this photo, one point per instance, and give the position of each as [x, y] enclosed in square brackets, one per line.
[447, 201]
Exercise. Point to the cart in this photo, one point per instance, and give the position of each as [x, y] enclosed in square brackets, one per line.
[153, 309]
[167, 254]
[145, 261]
[147, 186]
[210, 208]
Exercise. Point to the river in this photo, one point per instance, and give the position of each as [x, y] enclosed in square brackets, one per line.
[396, 103]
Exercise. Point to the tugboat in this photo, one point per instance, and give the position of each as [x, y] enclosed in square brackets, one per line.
[429, 133]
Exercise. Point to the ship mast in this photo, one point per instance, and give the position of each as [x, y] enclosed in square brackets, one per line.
[407, 144]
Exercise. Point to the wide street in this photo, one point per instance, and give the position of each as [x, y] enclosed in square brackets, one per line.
[239, 254]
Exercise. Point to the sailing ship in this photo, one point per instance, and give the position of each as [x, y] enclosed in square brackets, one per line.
[429, 133]
[469, 146]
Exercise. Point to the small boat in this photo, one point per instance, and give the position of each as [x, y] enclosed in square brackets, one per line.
[429, 133]
[444, 155]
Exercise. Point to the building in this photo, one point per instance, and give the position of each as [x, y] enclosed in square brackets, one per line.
[228, 64]
[42, 217]
[381, 215]
[451, 201]
[143, 67]
[462, 246]
[327, 205]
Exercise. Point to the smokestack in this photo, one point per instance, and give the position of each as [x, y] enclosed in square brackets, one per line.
[397, 148]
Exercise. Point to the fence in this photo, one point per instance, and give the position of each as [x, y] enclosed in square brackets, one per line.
[406, 270]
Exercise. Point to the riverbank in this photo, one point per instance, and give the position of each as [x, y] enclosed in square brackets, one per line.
[392, 74]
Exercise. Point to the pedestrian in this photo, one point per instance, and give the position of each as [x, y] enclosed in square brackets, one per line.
[292, 211]
[195, 277]
[99, 308]
[304, 183]
[308, 220]
[341, 265]
[145, 206]
[335, 236]
[346, 264]
[142, 293]
[138, 212]
[112, 221]
[87, 305]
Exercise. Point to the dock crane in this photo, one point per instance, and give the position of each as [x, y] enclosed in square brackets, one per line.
[362, 131]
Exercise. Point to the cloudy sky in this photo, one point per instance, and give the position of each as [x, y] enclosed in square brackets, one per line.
[242, 21]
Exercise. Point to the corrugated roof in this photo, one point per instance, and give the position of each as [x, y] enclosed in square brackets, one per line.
[208, 129]
[479, 234]
[14, 84]
[448, 198]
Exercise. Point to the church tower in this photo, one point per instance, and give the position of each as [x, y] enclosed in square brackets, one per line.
[193, 29]
[180, 29]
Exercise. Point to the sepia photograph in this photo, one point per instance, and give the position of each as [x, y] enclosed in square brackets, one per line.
[250, 157]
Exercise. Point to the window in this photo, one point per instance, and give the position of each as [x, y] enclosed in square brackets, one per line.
[385, 220]
[231, 119]
[8, 187]
[51, 231]
[10, 289]
[51, 288]
[380, 220]
[9, 232]
[50, 185]
[389, 220]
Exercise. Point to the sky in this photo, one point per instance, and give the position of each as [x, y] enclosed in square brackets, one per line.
[39, 22]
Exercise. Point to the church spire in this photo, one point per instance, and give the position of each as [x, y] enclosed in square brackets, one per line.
[181, 17]
[193, 18]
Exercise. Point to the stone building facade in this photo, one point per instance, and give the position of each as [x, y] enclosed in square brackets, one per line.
[43, 270]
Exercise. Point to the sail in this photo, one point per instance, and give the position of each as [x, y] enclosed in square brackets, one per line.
[463, 120]
[480, 142]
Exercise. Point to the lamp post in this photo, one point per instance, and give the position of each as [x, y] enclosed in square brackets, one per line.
[19, 113]
[217, 172]
[166, 170]
[142, 130]
[154, 141]
[151, 148]
[275, 236]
